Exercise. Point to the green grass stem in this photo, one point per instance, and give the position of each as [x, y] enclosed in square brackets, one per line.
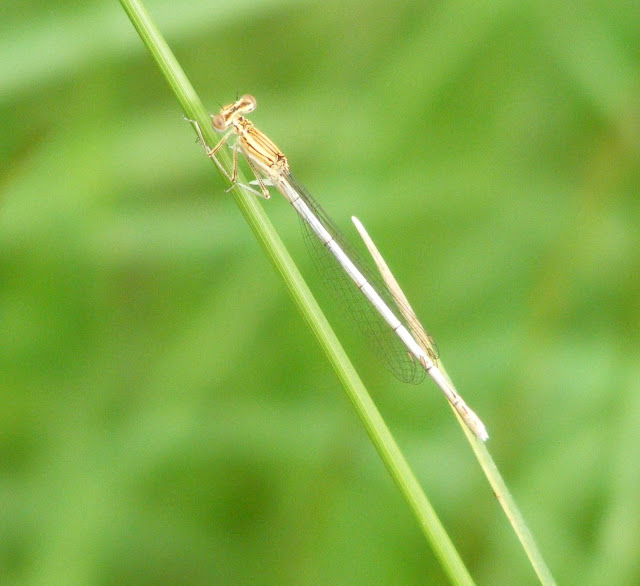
[367, 411]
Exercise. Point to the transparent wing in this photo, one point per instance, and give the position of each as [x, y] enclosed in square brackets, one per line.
[378, 333]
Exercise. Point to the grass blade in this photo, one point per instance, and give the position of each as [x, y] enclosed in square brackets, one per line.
[275, 250]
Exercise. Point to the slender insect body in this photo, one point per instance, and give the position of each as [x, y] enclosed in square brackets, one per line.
[378, 321]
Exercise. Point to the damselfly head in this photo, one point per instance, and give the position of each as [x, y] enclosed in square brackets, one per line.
[223, 119]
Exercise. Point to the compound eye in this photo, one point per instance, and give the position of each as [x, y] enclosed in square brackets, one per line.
[219, 123]
[247, 103]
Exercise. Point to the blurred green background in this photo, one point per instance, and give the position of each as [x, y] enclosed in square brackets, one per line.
[166, 415]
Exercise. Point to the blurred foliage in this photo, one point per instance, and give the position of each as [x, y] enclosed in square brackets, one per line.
[167, 417]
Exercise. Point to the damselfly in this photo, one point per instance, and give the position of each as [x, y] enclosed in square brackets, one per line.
[367, 299]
